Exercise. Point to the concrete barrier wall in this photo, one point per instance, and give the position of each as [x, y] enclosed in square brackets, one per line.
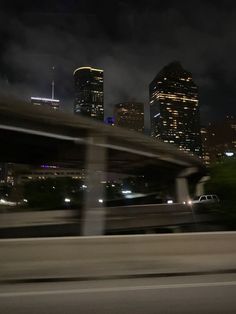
[151, 215]
[30, 218]
[133, 212]
[116, 255]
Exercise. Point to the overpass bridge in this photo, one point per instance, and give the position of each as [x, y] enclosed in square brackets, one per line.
[35, 135]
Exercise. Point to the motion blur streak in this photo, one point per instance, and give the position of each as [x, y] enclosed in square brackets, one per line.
[113, 289]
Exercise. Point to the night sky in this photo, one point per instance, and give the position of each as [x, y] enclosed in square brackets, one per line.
[130, 40]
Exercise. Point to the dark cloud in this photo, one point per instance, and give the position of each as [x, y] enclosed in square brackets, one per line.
[131, 41]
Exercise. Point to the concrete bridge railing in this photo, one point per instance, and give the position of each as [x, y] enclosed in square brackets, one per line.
[89, 257]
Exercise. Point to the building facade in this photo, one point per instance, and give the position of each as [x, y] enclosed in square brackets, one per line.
[220, 139]
[47, 172]
[3, 172]
[174, 108]
[205, 145]
[130, 115]
[89, 95]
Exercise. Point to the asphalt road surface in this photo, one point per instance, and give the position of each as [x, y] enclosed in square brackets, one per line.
[187, 294]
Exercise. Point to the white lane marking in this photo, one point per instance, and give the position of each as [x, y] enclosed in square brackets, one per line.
[117, 289]
[156, 236]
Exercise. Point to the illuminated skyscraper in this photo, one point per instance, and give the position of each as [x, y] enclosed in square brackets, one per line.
[174, 109]
[130, 115]
[89, 92]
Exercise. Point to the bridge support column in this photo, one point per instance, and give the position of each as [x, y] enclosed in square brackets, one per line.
[93, 218]
[200, 185]
[182, 191]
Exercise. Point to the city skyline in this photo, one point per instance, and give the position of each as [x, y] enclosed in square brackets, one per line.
[131, 42]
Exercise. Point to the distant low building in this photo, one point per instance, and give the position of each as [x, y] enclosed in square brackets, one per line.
[46, 102]
[43, 172]
[130, 115]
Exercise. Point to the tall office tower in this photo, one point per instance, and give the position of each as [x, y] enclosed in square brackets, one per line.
[130, 115]
[89, 92]
[174, 109]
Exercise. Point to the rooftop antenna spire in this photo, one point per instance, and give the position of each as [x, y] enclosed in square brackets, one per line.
[53, 82]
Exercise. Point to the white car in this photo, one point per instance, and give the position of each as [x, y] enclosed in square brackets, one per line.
[208, 198]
